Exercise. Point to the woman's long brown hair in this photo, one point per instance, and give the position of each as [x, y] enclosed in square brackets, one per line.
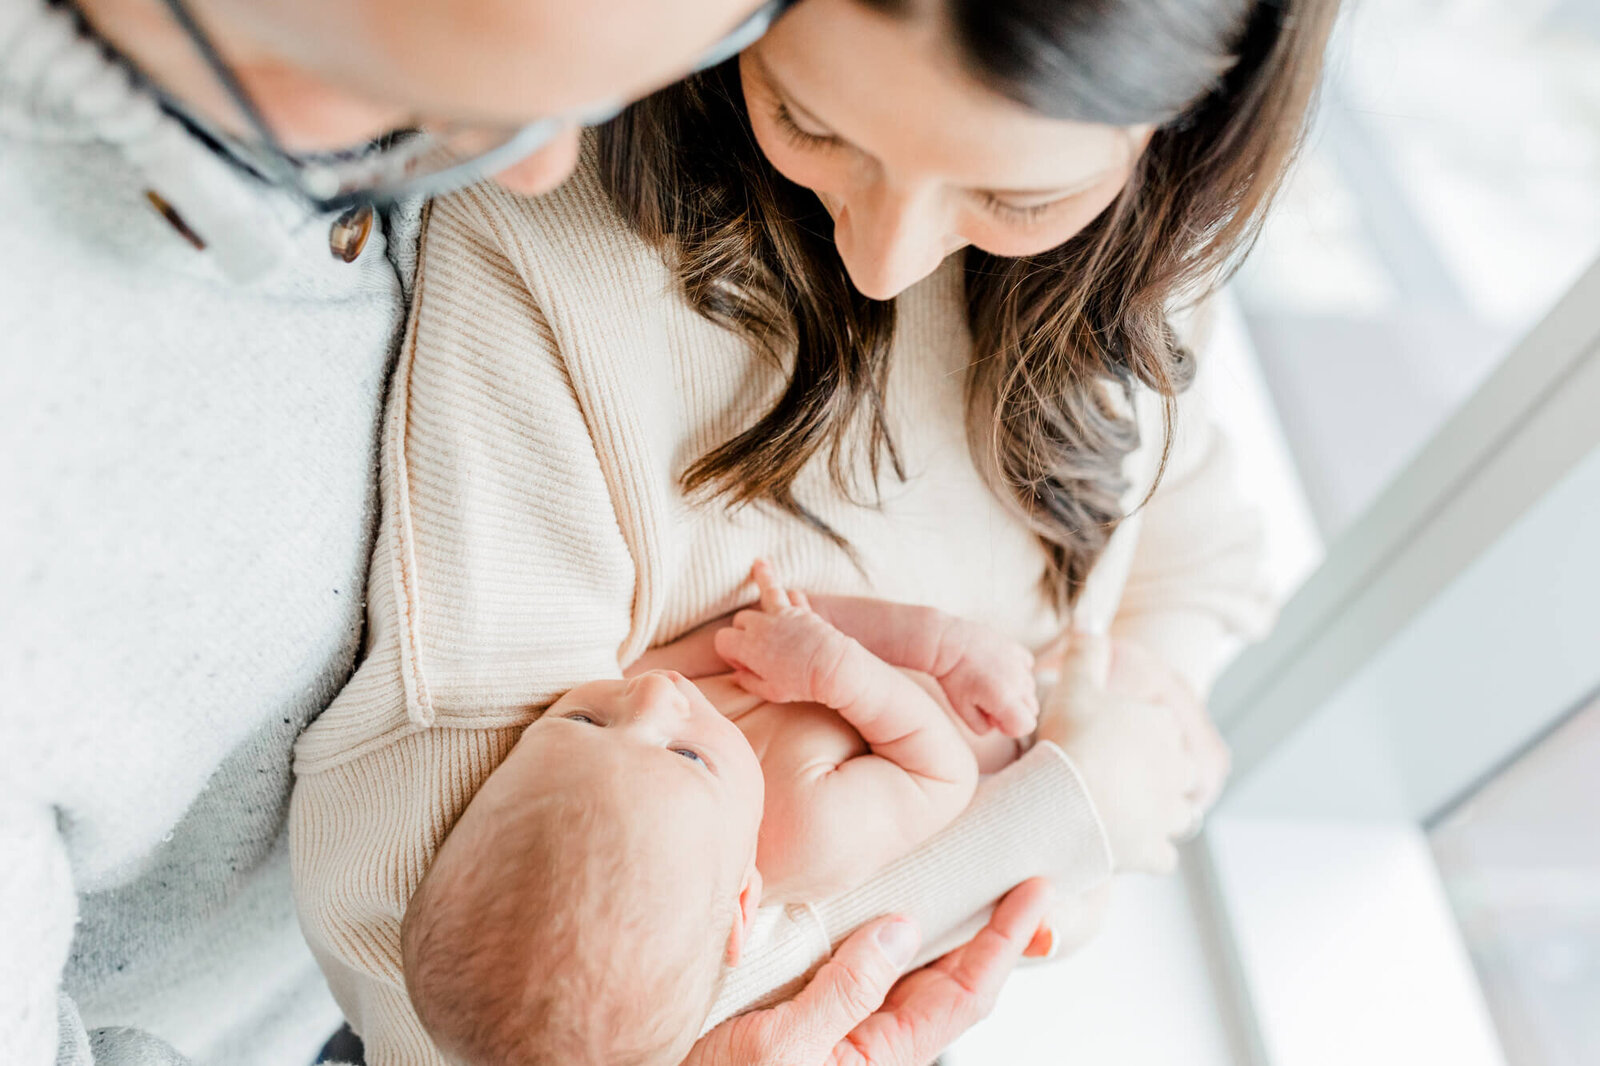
[1229, 84]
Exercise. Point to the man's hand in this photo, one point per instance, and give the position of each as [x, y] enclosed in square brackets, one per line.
[849, 1015]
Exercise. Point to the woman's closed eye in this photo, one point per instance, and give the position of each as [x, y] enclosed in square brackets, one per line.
[996, 205]
[1022, 213]
[797, 134]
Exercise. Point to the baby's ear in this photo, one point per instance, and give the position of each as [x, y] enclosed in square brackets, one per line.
[749, 900]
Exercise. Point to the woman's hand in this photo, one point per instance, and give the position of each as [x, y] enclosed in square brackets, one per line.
[855, 1012]
[1136, 671]
[1147, 751]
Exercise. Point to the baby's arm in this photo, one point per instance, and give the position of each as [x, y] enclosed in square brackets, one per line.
[987, 677]
[834, 815]
[787, 653]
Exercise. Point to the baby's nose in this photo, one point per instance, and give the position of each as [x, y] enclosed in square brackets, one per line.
[656, 694]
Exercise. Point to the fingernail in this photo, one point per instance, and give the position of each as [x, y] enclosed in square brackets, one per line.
[1049, 943]
[899, 940]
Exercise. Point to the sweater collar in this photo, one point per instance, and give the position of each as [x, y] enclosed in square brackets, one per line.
[59, 84]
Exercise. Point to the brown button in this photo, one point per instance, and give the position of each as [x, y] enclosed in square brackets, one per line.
[350, 232]
[175, 220]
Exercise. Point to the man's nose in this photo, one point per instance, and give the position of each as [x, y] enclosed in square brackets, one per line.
[544, 169]
[890, 239]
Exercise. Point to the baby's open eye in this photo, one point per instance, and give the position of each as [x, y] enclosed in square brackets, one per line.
[580, 717]
[690, 754]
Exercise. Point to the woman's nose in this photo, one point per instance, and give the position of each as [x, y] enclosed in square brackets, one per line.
[654, 696]
[890, 239]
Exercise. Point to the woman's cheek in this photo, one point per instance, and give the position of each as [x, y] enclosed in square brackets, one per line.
[1010, 242]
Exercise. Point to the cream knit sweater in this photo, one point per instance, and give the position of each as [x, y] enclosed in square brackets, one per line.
[552, 388]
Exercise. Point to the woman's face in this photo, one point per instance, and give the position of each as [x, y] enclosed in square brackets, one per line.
[911, 156]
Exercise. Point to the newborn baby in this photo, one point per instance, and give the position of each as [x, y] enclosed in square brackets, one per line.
[582, 908]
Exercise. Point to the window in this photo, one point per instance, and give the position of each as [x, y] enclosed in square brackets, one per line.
[1520, 862]
[1448, 197]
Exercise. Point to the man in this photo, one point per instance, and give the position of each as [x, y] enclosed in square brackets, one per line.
[198, 312]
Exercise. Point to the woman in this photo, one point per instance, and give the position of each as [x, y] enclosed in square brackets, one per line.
[611, 400]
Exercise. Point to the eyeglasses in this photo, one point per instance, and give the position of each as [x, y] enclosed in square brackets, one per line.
[423, 162]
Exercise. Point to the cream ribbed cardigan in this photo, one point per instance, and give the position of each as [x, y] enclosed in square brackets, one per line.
[552, 388]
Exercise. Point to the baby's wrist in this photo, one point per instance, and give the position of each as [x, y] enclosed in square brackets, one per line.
[953, 644]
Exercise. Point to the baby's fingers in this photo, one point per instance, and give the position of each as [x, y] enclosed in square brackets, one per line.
[759, 686]
[1011, 708]
[732, 644]
[973, 716]
[1018, 714]
[774, 597]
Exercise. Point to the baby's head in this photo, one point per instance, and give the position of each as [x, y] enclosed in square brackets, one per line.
[581, 909]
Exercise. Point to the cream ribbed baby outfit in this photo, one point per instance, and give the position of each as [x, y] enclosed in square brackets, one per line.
[553, 388]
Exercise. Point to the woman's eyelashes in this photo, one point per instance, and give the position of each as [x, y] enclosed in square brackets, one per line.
[1013, 213]
[802, 138]
[994, 205]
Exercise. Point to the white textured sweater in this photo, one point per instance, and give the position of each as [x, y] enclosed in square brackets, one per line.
[187, 503]
[552, 388]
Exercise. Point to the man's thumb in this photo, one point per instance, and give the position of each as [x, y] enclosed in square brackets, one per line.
[852, 985]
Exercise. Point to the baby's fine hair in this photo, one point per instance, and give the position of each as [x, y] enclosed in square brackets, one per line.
[536, 939]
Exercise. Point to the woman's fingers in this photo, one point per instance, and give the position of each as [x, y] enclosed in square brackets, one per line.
[1086, 666]
[1163, 858]
[1215, 762]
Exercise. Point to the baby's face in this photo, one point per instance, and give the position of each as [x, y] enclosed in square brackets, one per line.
[655, 741]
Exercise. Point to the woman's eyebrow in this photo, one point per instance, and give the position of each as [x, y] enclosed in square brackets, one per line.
[795, 107]
[787, 98]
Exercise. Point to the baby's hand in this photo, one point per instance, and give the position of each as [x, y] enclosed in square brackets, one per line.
[784, 652]
[990, 682]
